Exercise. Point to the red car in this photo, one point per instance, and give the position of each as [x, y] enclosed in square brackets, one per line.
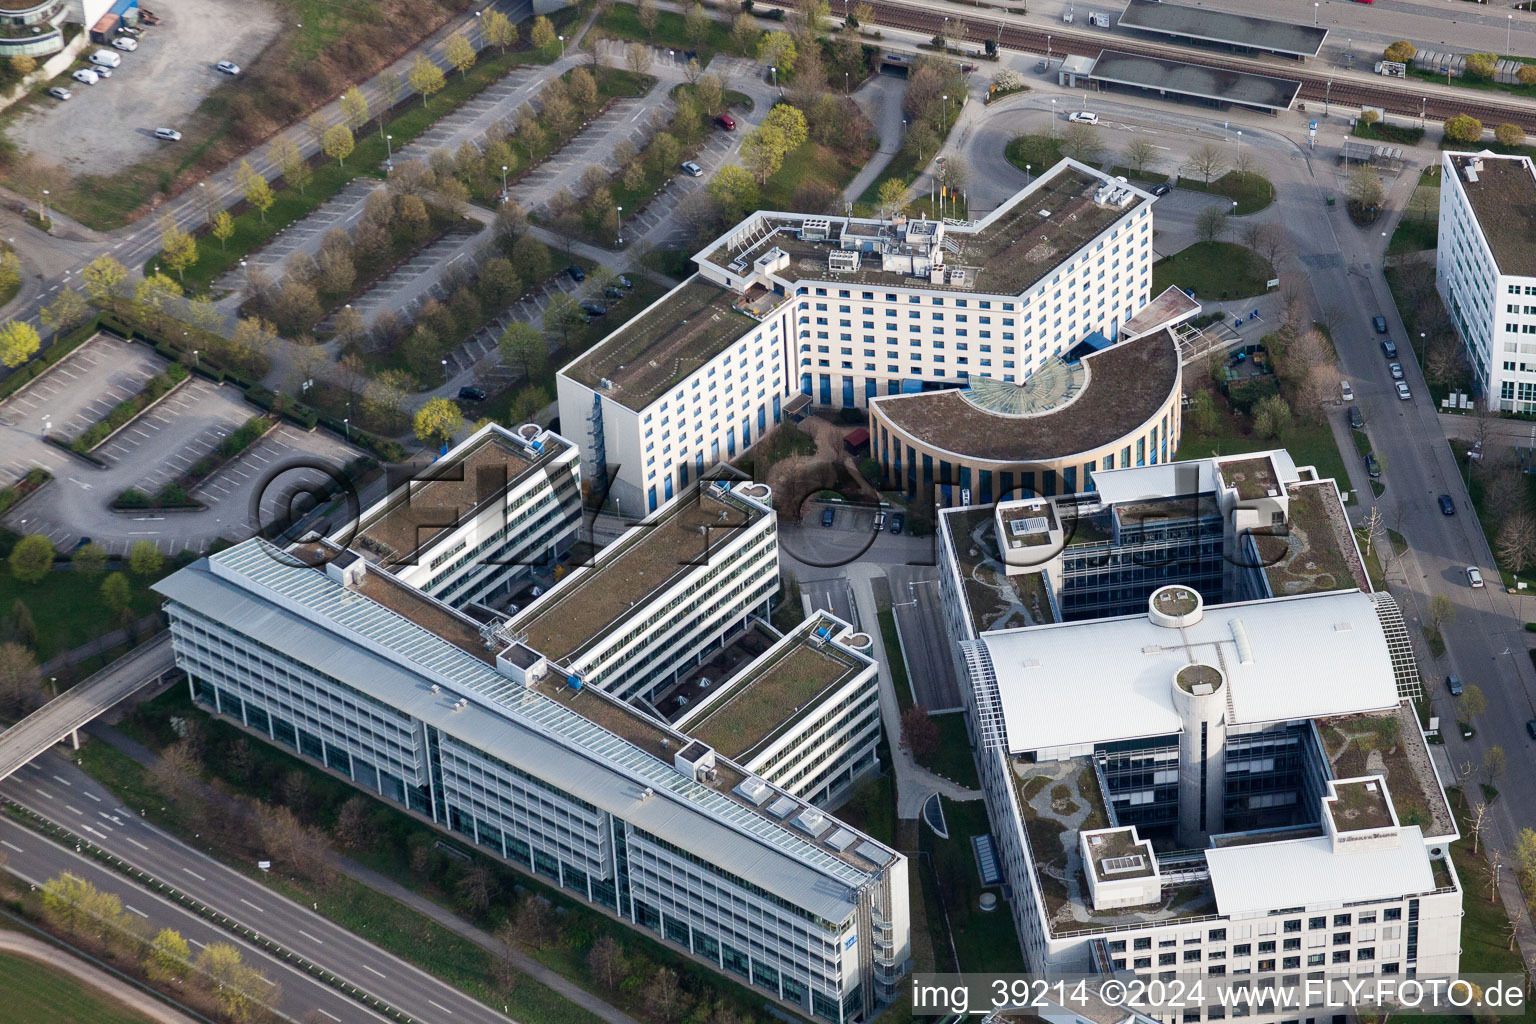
[727, 122]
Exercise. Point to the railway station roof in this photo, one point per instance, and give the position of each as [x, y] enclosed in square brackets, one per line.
[1200, 81]
[1203, 25]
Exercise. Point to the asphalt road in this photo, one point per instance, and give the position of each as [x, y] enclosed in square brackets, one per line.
[34, 860]
[60, 792]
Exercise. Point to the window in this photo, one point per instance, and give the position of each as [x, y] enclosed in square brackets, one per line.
[1341, 956]
[1145, 942]
[1341, 938]
[1191, 956]
[1341, 920]
[1392, 914]
[1266, 947]
[1242, 949]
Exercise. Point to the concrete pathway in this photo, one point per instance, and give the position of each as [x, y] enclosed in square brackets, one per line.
[880, 98]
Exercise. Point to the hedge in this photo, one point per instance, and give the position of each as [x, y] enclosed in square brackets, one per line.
[154, 389]
[35, 478]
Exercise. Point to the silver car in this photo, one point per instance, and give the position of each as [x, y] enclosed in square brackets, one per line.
[1397, 370]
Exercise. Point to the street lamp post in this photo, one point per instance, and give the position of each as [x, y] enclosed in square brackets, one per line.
[1508, 27]
[1327, 97]
[562, 45]
[445, 371]
[620, 232]
[389, 153]
[42, 207]
[503, 183]
[1026, 174]
[1315, 6]
[1053, 117]
[845, 83]
[347, 423]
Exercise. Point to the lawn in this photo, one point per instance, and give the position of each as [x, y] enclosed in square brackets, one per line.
[811, 164]
[904, 166]
[894, 658]
[1414, 234]
[35, 993]
[1252, 192]
[1034, 151]
[1381, 131]
[872, 808]
[67, 607]
[984, 941]
[623, 22]
[1214, 270]
[253, 230]
[1477, 84]
[954, 760]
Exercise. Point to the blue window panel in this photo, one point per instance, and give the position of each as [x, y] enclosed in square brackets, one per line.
[651, 498]
[730, 445]
[826, 389]
[869, 391]
[775, 412]
[669, 488]
[805, 383]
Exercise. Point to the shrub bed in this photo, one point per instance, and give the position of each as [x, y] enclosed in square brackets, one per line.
[61, 346]
[34, 480]
[154, 389]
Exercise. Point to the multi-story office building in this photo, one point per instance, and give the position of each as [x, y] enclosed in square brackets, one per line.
[480, 519]
[790, 309]
[1250, 790]
[805, 715]
[1485, 269]
[475, 727]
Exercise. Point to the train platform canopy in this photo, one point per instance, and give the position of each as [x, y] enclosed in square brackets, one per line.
[1198, 81]
[1200, 24]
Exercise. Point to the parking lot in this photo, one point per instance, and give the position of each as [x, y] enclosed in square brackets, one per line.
[153, 450]
[109, 126]
[340, 211]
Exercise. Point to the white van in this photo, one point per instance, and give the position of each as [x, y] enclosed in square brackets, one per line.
[106, 58]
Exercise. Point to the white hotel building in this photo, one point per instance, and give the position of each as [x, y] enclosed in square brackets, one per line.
[789, 309]
[1485, 269]
[534, 736]
[1237, 788]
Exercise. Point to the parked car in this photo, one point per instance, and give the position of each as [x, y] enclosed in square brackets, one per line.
[879, 521]
[130, 30]
[693, 170]
[577, 274]
[727, 122]
[85, 76]
[1403, 392]
[106, 58]
[58, 92]
[1453, 684]
[469, 394]
[1474, 577]
[613, 291]
[1380, 323]
[624, 282]
[168, 134]
[1355, 419]
[898, 521]
[229, 67]
[1397, 370]
[1372, 466]
[1162, 190]
[828, 515]
[594, 308]
[125, 43]
[1447, 506]
[102, 71]
[1083, 117]
[1389, 349]
[1346, 391]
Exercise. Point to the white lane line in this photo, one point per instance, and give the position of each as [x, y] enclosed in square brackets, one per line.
[251, 905]
[371, 970]
[11, 846]
[61, 779]
[93, 832]
[93, 796]
[440, 1006]
[194, 942]
[135, 842]
[194, 874]
[42, 792]
[310, 937]
[330, 1015]
[72, 807]
[136, 910]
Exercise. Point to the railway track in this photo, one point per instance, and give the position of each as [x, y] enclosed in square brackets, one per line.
[1315, 88]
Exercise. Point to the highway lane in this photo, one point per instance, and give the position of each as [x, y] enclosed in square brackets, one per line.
[34, 860]
[60, 792]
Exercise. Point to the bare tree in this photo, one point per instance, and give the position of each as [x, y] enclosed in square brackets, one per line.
[1370, 525]
[1139, 154]
[1516, 540]
[1208, 161]
[535, 921]
[1479, 814]
[1209, 223]
[1081, 142]
[504, 964]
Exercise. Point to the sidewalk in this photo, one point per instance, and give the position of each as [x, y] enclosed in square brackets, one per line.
[373, 880]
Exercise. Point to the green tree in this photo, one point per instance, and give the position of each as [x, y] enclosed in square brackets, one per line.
[426, 78]
[499, 30]
[66, 312]
[562, 316]
[290, 162]
[542, 34]
[745, 33]
[1509, 135]
[1463, 128]
[168, 956]
[1364, 187]
[144, 559]
[257, 192]
[437, 421]
[90, 560]
[1401, 51]
[1482, 65]
[1526, 74]
[1472, 703]
[116, 592]
[781, 133]
[892, 197]
[19, 342]
[354, 108]
[1271, 417]
[460, 53]
[177, 248]
[524, 346]
[733, 188]
[1441, 611]
[103, 277]
[696, 22]
[338, 143]
[32, 558]
[1202, 412]
[777, 49]
[1494, 763]
[23, 65]
[223, 228]
[582, 90]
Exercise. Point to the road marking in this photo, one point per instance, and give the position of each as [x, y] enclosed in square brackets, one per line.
[370, 969]
[93, 796]
[440, 1006]
[251, 905]
[93, 832]
[135, 842]
[11, 846]
[310, 937]
[43, 792]
[330, 1015]
[136, 910]
[63, 780]
[194, 874]
[199, 945]
[72, 807]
